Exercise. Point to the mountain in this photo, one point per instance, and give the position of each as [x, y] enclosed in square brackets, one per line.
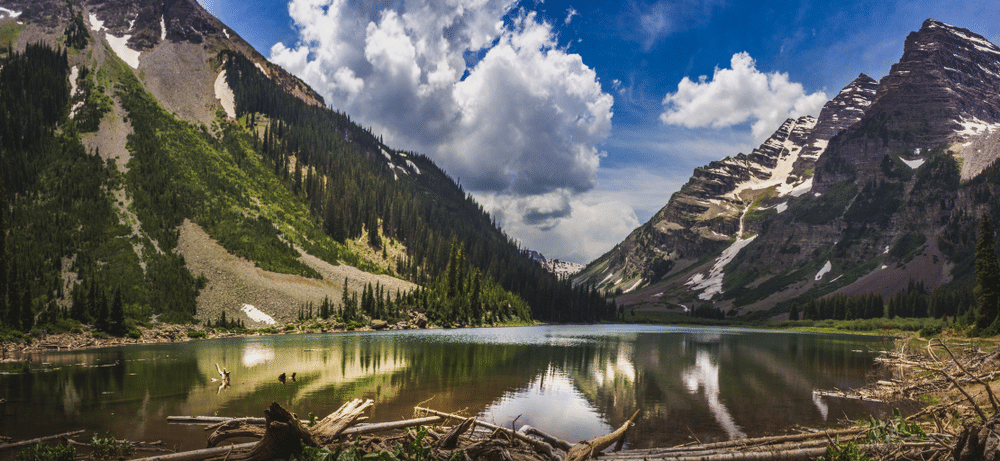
[708, 211]
[880, 192]
[562, 269]
[157, 168]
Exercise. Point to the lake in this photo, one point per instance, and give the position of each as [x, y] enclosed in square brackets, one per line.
[575, 382]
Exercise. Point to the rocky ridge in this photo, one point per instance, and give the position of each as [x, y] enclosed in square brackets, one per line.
[706, 213]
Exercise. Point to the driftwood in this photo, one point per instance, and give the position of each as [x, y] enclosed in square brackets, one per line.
[380, 427]
[537, 445]
[205, 453]
[587, 449]
[334, 423]
[25, 443]
[450, 440]
[549, 439]
[234, 428]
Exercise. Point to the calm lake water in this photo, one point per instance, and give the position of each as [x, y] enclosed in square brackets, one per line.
[575, 382]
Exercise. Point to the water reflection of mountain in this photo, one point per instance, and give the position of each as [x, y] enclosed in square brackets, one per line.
[722, 386]
[575, 382]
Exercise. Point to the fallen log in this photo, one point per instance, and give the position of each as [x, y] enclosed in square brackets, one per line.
[551, 440]
[537, 445]
[234, 429]
[217, 419]
[379, 427]
[585, 450]
[24, 443]
[204, 453]
[333, 424]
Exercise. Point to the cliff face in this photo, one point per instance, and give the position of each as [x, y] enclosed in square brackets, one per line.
[944, 90]
[884, 187]
[705, 214]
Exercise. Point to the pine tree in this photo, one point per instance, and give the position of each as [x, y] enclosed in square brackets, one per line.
[987, 276]
[793, 313]
[117, 324]
[4, 257]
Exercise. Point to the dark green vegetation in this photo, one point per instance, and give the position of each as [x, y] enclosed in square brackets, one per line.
[343, 173]
[87, 243]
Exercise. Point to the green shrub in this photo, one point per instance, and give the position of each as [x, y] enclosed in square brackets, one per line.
[197, 334]
[110, 448]
[44, 452]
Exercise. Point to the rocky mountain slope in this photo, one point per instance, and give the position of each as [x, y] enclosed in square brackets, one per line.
[707, 212]
[884, 187]
[562, 269]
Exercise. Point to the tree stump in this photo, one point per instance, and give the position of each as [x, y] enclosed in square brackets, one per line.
[283, 437]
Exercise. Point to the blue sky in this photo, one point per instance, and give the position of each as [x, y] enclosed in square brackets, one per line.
[574, 121]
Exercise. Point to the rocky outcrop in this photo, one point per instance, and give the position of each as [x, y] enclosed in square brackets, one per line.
[944, 90]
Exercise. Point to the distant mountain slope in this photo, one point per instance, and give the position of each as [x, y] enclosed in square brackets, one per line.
[885, 192]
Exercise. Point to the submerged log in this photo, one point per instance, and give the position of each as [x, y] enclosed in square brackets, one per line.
[586, 450]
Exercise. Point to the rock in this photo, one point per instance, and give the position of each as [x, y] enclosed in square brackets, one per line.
[419, 320]
[379, 324]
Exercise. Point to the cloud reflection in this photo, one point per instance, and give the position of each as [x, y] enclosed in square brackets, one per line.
[705, 376]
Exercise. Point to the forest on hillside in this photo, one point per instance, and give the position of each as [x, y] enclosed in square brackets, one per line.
[284, 174]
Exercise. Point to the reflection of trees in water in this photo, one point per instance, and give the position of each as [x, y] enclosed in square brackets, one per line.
[684, 383]
[96, 389]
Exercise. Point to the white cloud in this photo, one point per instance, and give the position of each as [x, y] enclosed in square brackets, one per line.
[737, 95]
[596, 223]
[570, 13]
[524, 123]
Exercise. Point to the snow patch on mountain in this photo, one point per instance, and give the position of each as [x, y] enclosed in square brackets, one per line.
[95, 24]
[118, 44]
[225, 95]
[10, 13]
[712, 284]
[913, 164]
[257, 315]
[120, 47]
[825, 270]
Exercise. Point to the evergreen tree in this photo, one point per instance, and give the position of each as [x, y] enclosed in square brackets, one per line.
[4, 257]
[987, 276]
[27, 313]
[116, 326]
[14, 297]
[793, 313]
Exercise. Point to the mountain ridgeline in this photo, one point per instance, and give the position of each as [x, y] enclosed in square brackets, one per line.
[881, 194]
[155, 167]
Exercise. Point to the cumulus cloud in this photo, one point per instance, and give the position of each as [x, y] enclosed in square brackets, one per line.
[525, 121]
[737, 95]
[596, 223]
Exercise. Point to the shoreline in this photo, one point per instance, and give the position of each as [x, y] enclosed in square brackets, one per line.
[165, 333]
